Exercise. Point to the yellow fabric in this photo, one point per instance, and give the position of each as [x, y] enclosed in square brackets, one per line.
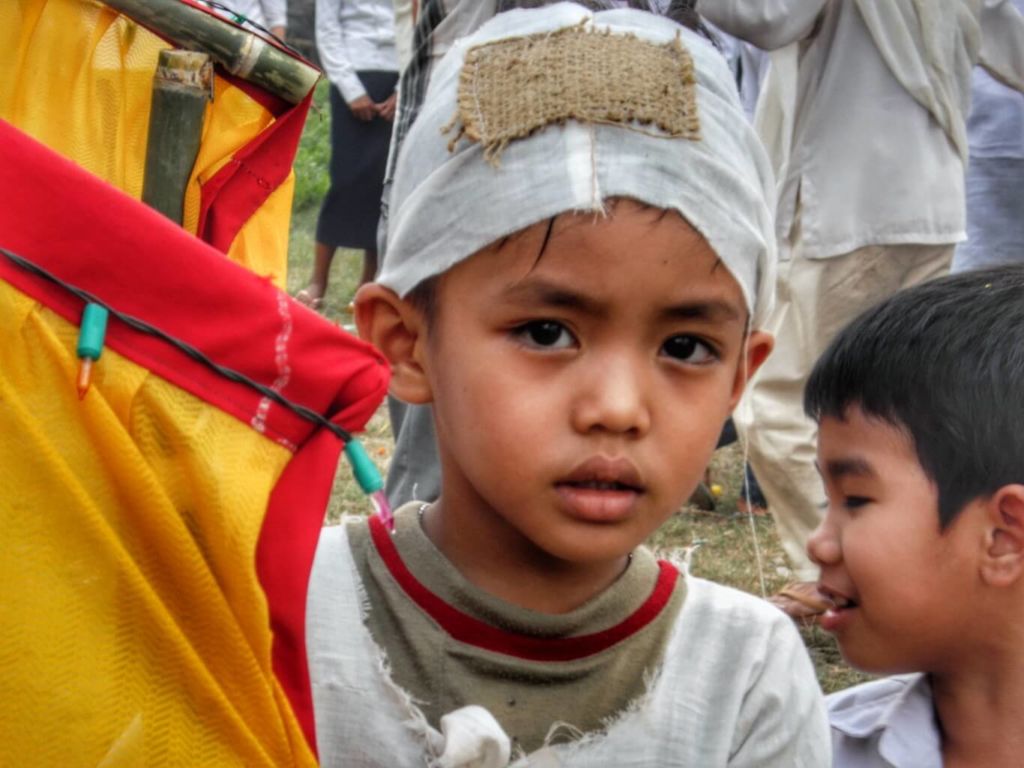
[134, 629]
[77, 76]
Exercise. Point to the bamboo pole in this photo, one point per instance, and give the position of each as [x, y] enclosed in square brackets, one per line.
[242, 53]
[181, 87]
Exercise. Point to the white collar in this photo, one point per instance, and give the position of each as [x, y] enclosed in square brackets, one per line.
[899, 711]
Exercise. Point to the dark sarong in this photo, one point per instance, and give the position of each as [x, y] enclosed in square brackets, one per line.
[359, 153]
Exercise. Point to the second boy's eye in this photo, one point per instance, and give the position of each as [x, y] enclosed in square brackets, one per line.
[688, 349]
[547, 334]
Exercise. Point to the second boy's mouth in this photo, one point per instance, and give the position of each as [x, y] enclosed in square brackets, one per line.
[834, 617]
[838, 600]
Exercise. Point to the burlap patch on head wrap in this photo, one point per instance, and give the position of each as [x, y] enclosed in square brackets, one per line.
[514, 87]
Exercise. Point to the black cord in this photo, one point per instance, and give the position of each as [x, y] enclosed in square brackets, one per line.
[139, 325]
[245, 21]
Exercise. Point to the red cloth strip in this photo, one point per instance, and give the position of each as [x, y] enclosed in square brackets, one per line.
[471, 631]
[94, 237]
[91, 235]
[233, 194]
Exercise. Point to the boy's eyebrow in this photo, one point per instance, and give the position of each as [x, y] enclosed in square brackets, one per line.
[541, 291]
[554, 295]
[836, 469]
[713, 309]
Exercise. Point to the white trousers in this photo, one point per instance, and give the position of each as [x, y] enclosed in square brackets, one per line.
[815, 299]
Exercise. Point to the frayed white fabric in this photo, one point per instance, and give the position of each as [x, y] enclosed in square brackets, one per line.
[930, 46]
[447, 205]
[472, 738]
[361, 717]
[736, 688]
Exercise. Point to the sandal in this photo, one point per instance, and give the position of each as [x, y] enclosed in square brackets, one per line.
[801, 600]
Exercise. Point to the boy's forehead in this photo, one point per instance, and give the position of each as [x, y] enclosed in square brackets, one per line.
[862, 444]
[453, 199]
[625, 213]
[588, 263]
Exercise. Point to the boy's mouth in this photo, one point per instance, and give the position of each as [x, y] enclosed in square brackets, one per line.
[601, 489]
[834, 618]
[839, 601]
[602, 473]
[601, 485]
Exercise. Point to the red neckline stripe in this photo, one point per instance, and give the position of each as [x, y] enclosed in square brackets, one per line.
[466, 629]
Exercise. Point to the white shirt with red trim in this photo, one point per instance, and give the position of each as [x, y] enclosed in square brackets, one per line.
[736, 688]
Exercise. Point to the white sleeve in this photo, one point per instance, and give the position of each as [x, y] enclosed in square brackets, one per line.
[783, 722]
[275, 12]
[330, 44]
[768, 24]
[1002, 43]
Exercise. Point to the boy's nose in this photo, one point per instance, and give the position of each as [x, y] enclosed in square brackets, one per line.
[823, 544]
[611, 397]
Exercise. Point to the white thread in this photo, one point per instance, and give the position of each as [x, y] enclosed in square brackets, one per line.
[284, 369]
[745, 445]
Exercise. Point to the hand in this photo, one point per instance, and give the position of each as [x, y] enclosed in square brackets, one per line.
[386, 109]
[279, 32]
[363, 109]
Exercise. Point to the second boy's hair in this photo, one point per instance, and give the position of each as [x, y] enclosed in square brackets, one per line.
[944, 362]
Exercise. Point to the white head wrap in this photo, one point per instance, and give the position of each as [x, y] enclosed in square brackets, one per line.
[448, 204]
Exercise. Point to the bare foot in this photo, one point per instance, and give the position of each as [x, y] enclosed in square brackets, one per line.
[750, 509]
[310, 297]
[801, 600]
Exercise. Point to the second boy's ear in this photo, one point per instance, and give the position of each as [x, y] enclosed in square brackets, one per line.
[399, 331]
[1003, 559]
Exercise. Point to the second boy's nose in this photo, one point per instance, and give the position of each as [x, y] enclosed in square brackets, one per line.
[610, 396]
[823, 544]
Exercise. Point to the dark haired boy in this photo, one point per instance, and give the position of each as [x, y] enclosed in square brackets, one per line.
[919, 405]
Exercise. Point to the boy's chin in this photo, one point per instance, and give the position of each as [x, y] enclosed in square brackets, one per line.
[589, 548]
[864, 660]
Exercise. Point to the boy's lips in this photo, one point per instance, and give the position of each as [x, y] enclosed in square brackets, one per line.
[601, 489]
[836, 617]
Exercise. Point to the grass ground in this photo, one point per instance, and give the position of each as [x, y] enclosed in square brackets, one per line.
[734, 549]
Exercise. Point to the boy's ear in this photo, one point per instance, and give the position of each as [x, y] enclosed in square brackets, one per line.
[758, 346]
[399, 331]
[1002, 561]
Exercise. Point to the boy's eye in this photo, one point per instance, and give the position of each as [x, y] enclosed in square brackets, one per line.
[855, 502]
[548, 334]
[688, 349]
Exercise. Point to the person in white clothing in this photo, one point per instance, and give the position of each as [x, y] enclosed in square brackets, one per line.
[356, 43]
[272, 15]
[919, 404]
[405, 23]
[576, 270]
[864, 116]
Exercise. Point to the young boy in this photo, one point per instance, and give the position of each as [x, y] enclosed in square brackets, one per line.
[575, 263]
[922, 546]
